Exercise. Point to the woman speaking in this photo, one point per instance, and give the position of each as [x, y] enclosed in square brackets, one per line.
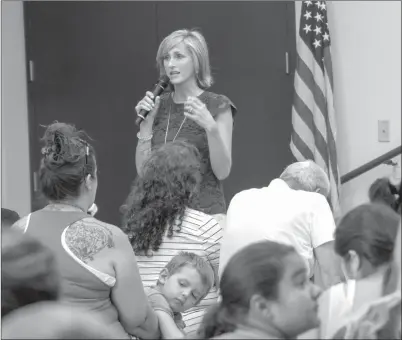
[189, 112]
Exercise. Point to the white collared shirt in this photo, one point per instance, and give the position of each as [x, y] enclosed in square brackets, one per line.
[277, 213]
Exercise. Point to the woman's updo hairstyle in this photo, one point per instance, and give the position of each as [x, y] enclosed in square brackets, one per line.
[67, 159]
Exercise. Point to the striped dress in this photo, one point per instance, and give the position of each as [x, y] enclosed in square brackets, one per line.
[200, 234]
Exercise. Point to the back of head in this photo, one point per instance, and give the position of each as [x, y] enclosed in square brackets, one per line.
[169, 183]
[53, 320]
[382, 191]
[28, 272]
[202, 266]
[255, 269]
[306, 176]
[197, 47]
[8, 217]
[67, 159]
[370, 231]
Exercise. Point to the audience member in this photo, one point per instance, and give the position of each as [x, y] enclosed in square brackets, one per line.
[160, 220]
[97, 264]
[8, 218]
[266, 294]
[28, 272]
[383, 191]
[292, 210]
[379, 318]
[364, 239]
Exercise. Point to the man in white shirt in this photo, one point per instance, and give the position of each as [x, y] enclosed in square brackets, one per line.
[292, 210]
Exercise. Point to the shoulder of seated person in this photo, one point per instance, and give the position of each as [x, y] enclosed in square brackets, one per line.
[20, 224]
[246, 195]
[313, 198]
[199, 213]
[114, 230]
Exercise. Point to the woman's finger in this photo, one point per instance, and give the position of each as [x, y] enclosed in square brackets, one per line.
[149, 94]
[149, 101]
[145, 106]
[198, 103]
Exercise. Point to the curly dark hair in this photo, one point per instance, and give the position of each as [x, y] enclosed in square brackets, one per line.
[169, 183]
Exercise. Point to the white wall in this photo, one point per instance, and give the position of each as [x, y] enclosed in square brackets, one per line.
[15, 189]
[366, 56]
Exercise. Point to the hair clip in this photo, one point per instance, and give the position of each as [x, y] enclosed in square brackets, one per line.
[47, 150]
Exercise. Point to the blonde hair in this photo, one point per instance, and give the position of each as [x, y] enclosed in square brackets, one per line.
[197, 46]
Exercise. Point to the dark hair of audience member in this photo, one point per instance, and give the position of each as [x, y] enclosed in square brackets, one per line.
[370, 230]
[8, 217]
[256, 269]
[382, 191]
[169, 183]
[28, 272]
[67, 159]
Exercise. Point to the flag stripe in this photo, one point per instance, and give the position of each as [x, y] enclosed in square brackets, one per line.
[301, 146]
[308, 78]
[311, 64]
[303, 91]
[295, 151]
[308, 118]
[328, 66]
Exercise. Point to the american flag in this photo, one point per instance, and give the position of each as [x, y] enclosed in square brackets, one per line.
[313, 114]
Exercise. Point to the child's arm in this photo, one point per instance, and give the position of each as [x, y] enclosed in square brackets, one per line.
[168, 326]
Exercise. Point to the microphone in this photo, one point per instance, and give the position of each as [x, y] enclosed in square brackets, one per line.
[159, 87]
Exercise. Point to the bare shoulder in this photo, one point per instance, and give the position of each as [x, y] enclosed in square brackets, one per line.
[21, 223]
[89, 236]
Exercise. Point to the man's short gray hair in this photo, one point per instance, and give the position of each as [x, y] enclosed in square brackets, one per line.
[307, 176]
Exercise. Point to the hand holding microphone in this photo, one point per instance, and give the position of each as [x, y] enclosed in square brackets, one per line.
[146, 106]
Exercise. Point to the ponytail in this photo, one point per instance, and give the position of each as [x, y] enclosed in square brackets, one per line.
[216, 321]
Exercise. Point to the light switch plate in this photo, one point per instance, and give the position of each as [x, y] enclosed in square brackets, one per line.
[383, 131]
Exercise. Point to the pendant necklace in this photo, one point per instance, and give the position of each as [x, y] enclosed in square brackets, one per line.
[167, 128]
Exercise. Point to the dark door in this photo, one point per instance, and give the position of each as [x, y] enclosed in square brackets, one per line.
[92, 61]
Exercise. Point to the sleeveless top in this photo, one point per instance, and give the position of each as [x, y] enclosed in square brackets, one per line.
[81, 285]
[211, 199]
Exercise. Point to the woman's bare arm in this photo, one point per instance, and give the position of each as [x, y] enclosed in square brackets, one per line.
[128, 295]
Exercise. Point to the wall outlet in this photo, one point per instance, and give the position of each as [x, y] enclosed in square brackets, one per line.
[383, 131]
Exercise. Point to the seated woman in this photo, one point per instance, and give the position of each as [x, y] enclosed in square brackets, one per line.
[28, 272]
[97, 264]
[381, 318]
[266, 294]
[365, 240]
[161, 219]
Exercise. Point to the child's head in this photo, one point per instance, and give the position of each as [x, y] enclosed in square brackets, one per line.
[8, 217]
[265, 286]
[185, 281]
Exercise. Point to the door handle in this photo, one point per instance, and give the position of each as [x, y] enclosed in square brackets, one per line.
[287, 63]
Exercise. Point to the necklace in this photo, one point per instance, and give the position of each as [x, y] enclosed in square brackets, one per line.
[55, 205]
[167, 128]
